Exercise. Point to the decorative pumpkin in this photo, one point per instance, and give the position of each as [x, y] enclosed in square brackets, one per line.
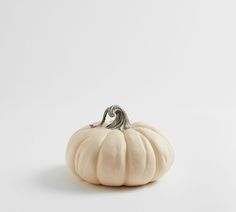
[119, 153]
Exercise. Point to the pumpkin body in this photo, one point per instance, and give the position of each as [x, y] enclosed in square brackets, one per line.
[132, 157]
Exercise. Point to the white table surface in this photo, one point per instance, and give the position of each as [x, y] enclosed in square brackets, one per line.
[168, 63]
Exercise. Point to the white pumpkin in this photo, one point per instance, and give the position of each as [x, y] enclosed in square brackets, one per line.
[119, 153]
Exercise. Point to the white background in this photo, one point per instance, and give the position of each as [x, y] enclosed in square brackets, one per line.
[170, 63]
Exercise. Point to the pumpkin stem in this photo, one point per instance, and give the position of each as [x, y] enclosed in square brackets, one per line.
[120, 122]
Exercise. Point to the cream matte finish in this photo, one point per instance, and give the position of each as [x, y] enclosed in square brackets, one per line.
[132, 157]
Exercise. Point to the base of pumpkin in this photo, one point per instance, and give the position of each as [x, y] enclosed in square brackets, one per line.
[117, 186]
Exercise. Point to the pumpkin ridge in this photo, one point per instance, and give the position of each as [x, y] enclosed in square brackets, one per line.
[152, 129]
[72, 158]
[156, 153]
[78, 131]
[98, 153]
[77, 156]
[160, 133]
[169, 146]
[126, 161]
[76, 134]
[145, 147]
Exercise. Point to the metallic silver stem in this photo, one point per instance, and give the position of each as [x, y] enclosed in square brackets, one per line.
[120, 122]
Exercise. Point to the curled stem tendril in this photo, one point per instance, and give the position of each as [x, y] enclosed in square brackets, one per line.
[120, 122]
